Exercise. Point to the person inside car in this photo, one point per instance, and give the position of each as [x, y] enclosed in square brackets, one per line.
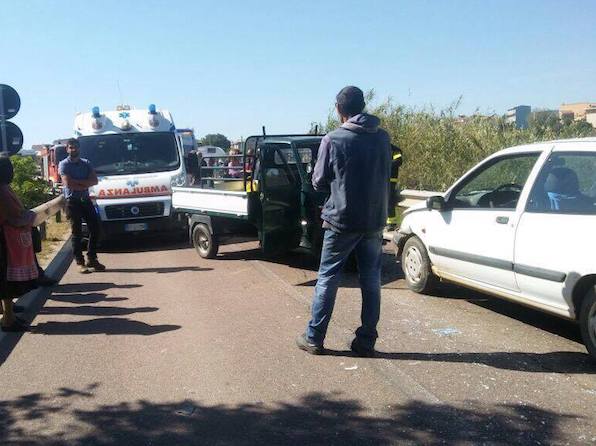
[562, 189]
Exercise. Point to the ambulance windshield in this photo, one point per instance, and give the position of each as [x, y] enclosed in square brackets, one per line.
[131, 153]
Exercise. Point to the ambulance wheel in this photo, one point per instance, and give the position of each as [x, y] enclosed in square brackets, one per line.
[204, 242]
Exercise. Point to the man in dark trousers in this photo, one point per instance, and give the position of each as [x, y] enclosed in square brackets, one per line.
[77, 177]
[353, 164]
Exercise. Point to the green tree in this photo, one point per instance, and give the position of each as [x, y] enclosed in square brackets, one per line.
[215, 139]
[577, 129]
[31, 189]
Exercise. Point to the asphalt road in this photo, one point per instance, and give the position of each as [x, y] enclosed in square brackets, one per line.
[166, 348]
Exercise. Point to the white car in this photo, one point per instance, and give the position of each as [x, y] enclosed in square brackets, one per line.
[520, 225]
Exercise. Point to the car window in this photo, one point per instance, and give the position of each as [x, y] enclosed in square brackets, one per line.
[277, 172]
[275, 177]
[566, 185]
[495, 185]
[289, 157]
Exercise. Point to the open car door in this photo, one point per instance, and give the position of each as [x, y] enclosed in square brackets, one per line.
[280, 228]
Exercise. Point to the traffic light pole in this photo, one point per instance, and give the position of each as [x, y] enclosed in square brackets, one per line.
[3, 120]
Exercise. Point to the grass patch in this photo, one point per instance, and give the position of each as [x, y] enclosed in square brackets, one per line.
[57, 233]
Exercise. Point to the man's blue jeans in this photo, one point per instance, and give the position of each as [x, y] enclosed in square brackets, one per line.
[336, 249]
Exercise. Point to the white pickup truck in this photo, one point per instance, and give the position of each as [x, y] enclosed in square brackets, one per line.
[520, 225]
[264, 194]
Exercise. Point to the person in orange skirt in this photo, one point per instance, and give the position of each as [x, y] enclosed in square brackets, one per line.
[18, 269]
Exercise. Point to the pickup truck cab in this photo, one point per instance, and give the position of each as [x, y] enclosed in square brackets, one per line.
[519, 225]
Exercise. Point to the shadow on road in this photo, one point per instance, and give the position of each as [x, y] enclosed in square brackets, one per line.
[315, 419]
[78, 293]
[87, 293]
[300, 260]
[106, 325]
[82, 293]
[544, 321]
[144, 244]
[552, 324]
[295, 259]
[164, 270]
[88, 287]
[558, 362]
[390, 273]
[89, 310]
[88, 298]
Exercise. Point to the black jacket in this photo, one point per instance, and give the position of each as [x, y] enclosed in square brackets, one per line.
[354, 165]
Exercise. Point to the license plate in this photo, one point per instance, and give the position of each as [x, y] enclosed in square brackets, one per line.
[132, 227]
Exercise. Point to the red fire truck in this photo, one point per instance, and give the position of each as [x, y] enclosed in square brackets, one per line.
[50, 158]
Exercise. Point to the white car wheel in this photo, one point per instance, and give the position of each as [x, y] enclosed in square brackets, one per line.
[413, 264]
[417, 267]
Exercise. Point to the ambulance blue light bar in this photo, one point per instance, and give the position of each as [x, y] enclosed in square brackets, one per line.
[152, 109]
[96, 122]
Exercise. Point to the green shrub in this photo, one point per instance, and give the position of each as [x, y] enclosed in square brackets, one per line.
[439, 147]
[31, 189]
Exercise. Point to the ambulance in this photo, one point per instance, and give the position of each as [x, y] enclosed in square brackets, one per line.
[138, 159]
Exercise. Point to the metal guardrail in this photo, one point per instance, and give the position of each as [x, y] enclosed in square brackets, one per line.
[410, 197]
[47, 210]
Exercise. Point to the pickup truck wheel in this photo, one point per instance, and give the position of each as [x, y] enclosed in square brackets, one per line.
[204, 242]
[417, 267]
[587, 321]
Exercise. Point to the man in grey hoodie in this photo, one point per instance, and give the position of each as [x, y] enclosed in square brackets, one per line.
[353, 165]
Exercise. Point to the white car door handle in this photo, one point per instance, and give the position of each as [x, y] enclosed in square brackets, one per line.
[502, 220]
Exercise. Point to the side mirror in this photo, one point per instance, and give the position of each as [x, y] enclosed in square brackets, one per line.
[436, 202]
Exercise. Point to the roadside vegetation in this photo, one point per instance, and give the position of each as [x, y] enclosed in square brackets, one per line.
[56, 234]
[29, 187]
[439, 146]
[33, 191]
[215, 139]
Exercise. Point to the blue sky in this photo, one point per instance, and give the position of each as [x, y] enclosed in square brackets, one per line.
[233, 66]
